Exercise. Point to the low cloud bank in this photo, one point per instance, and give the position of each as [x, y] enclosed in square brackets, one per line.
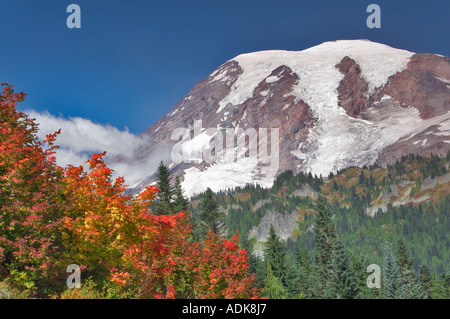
[80, 138]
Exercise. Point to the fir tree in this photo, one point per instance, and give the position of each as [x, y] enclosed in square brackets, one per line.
[362, 178]
[292, 283]
[303, 268]
[371, 181]
[197, 228]
[324, 236]
[210, 215]
[180, 202]
[335, 185]
[301, 256]
[343, 284]
[275, 256]
[425, 281]
[163, 203]
[403, 259]
[391, 274]
[359, 265]
[409, 289]
[253, 260]
[441, 286]
[261, 273]
[273, 288]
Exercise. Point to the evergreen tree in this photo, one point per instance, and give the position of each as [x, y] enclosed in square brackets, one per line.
[425, 281]
[275, 256]
[441, 286]
[409, 289]
[371, 181]
[303, 268]
[391, 274]
[293, 285]
[335, 185]
[324, 236]
[197, 229]
[180, 203]
[253, 260]
[163, 203]
[301, 256]
[210, 215]
[359, 265]
[343, 284]
[403, 258]
[362, 178]
[261, 273]
[273, 288]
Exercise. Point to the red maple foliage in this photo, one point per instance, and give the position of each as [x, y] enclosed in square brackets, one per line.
[151, 255]
[30, 198]
[51, 217]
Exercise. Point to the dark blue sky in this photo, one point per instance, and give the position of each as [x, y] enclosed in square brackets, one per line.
[133, 60]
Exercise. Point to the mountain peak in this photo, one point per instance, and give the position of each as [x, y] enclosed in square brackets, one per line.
[338, 104]
[377, 62]
[359, 45]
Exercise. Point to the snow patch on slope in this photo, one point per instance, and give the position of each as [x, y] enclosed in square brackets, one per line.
[226, 175]
[377, 61]
[334, 142]
[337, 140]
[316, 68]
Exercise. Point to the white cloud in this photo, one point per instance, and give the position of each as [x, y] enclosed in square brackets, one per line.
[82, 135]
[80, 138]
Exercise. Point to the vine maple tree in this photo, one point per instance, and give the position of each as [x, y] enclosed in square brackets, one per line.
[221, 270]
[51, 217]
[151, 255]
[30, 198]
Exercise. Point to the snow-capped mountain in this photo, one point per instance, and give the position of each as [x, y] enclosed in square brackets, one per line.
[341, 103]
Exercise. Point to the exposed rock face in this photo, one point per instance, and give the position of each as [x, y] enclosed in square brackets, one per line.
[273, 105]
[429, 183]
[423, 85]
[353, 89]
[200, 103]
[283, 225]
[260, 204]
[400, 194]
[387, 194]
[337, 104]
[429, 141]
[305, 191]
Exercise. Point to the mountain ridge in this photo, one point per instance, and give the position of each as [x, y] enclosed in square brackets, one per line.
[337, 104]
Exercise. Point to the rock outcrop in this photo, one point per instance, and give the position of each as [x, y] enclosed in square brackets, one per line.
[283, 225]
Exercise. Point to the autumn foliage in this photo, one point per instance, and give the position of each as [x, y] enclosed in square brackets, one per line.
[51, 217]
[30, 201]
